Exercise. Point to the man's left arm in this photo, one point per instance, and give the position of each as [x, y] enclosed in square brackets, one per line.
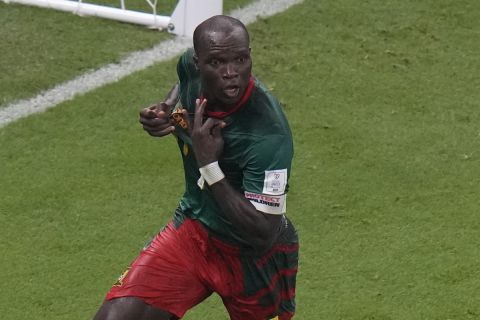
[257, 227]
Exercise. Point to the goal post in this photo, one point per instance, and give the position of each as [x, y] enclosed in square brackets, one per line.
[185, 17]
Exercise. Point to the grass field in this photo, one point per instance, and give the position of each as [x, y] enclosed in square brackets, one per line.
[383, 100]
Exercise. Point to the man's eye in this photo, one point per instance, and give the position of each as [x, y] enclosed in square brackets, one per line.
[241, 60]
[214, 62]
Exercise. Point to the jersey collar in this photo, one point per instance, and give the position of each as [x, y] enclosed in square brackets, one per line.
[237, 106]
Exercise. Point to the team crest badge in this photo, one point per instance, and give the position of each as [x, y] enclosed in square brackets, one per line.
[178, 118]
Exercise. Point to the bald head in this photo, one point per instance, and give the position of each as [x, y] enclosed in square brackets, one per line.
[222, 59]
[206, 32]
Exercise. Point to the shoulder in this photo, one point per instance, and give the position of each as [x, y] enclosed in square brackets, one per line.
[265, 110]
[185, 66]
[189, 79]
[262, 92]
[265, 102]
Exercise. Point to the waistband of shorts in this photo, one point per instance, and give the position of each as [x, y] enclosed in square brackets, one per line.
[287, 236]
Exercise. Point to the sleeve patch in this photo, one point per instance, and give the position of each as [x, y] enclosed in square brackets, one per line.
[271, 204]
[275, 182]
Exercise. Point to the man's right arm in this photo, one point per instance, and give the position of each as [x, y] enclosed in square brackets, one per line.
[155, 119]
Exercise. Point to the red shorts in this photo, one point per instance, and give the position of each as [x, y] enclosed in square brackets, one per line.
[183, 265]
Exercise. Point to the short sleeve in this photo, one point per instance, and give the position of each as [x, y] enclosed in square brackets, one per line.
[266, 173]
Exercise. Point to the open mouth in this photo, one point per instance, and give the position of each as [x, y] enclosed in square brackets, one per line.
[231, 91]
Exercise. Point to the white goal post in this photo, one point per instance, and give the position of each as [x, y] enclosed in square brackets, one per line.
[186, 16]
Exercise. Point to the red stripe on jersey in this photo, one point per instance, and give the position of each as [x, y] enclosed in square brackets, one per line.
[236, 107]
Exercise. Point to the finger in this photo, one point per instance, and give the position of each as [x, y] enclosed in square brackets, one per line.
[210, 123]
[157, 128]
[156, 110]
[217, 128]
[162, 114]
[160, 133]
[155, 122]
[162, 106]
[148, 113]
[199, 110]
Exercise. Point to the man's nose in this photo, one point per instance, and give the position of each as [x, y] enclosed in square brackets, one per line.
[230, 71]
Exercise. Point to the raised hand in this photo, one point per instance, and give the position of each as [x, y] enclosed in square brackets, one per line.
[207, 139]
[155, 120]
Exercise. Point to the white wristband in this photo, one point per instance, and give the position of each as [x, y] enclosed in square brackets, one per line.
[212, 173]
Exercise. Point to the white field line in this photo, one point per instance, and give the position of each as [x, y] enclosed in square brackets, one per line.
[135, 61]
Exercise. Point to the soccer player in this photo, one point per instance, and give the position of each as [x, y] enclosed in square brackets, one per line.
[229, 234]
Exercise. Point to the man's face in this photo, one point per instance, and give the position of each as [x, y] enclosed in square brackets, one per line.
[225, 66]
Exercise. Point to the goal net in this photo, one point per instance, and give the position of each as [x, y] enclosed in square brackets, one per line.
[183, 20]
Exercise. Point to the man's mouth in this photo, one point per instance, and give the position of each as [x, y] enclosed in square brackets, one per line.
[231, 91]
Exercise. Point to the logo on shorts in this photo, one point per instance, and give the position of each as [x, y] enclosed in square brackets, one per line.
[119, 282]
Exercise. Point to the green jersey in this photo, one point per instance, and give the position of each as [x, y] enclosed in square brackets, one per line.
[256, 158]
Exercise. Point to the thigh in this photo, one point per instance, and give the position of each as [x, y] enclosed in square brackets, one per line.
[164, 274]
[130, 308]
[268, 284]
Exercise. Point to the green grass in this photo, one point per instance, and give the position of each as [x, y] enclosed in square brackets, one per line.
[383, 101]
